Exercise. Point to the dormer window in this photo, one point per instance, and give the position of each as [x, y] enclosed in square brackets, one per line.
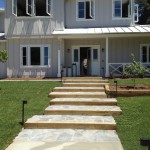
[32, 7]
[85, 9]
[121, 8]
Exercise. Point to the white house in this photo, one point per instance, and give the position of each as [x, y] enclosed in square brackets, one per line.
[45, 36]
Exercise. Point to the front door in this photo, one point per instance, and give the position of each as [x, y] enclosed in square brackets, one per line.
[87, 60]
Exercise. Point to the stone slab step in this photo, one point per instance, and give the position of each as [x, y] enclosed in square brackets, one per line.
[82, 78]
[86, 81]
[78, 89]
[84, 84]
[66, 139]
[83, 101]
[69, 121]
[77, 95]
[82, 110]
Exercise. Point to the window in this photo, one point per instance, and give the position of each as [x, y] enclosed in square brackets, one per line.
[95, 54]
[35, 56]
[136, 13]
[85, 9]
[76, 59]
[32, 7]
[121, 8]
[145, 54]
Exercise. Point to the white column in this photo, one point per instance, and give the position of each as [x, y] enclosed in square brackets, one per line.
[107, 55]
[59, 64]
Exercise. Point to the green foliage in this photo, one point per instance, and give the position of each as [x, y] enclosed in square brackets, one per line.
[144, 11]
[3, 56]
[135, 70]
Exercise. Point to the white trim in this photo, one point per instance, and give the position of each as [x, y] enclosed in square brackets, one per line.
[107, 56]
[41, 56]
[120, 18]
[14, 5]
[50, 7]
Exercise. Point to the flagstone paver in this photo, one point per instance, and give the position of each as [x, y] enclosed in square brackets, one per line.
[70, 131]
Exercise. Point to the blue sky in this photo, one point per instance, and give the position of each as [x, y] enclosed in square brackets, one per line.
[1, 3]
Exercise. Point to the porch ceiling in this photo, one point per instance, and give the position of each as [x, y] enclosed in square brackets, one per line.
[138, 30]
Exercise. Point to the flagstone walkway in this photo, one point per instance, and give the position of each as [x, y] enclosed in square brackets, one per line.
[80, 117]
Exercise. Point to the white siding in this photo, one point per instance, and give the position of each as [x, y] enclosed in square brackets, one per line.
[15, 70]
[103, 16]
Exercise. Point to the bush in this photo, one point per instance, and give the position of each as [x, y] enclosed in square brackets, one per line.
[3, 56]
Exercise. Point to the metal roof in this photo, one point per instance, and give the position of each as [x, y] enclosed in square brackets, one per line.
[107, 30]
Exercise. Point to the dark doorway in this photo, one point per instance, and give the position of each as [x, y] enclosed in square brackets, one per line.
[85, 61]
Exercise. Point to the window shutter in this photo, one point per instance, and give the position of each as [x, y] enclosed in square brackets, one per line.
[29, 7]
[92, 8]
[136, 13]
[14, 7]
[49, 7]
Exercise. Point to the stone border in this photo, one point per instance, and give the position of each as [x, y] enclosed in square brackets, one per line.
[126, 93]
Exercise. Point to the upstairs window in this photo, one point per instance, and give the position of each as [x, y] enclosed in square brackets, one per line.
[121, 8]
[32, 7]
[85, 9]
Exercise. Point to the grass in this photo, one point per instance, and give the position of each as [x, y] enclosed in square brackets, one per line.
[145, 81]
[135, 121]
[11, 95]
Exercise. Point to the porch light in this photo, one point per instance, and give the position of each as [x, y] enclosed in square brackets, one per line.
[103, 49]
[68, 50]
[116, 82]
[23, 103]
[145, 142]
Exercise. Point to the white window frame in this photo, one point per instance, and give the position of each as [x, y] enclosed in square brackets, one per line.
[113, 13]
[28, 49]
[49, 4]
[141, 54]
[14, 6]
[77, 11]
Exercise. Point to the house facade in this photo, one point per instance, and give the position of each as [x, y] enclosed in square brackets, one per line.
[44, 37]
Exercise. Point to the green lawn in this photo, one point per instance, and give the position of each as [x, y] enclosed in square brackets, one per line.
[135, 121]
[11, 95]
[130, 81]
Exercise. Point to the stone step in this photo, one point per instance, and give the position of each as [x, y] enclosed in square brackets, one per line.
[84, 84]
[77, 95]
[83, 101]
[82, 110]
[69, 121]
[82, 78]
[78, 89]
[86, 81]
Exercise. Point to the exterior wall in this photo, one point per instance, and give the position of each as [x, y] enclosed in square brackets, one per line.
[3, 66]
[14, 69]
[2, 21]
[34, 26]
[103, 16]
[83, 42]
[120, 49]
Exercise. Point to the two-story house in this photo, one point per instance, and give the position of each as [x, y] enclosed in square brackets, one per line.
[45, 36]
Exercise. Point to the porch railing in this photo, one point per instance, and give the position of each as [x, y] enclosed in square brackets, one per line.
[118, 68]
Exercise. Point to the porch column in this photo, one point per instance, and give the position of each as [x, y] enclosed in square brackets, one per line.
[59, 60]
[107, 55]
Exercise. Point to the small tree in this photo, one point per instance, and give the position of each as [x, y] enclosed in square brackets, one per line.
[135, 70]
[3, 56]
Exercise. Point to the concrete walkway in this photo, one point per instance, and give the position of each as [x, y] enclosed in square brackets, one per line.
[73, 122]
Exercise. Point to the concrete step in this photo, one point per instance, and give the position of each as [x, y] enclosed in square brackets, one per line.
[83, 101]
[86, 81]
[69, 121]
[84, 84]
[82, 110]
[78, 89]
[77, 95]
